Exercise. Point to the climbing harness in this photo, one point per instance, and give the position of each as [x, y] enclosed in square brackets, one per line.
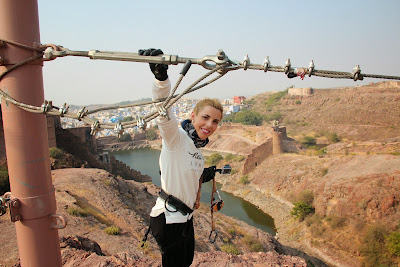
[219, 64]
[175, 203]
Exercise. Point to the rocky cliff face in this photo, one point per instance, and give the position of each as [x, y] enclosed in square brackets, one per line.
[349, 193]
[354, 183]
[93, 199]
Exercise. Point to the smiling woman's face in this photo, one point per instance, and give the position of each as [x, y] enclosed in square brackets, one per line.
[206, 121]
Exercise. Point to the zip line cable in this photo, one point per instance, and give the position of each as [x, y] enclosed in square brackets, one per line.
[219, 64]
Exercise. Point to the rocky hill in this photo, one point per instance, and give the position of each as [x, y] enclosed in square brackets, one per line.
[95, 202]
[352, 181]
[355, 113]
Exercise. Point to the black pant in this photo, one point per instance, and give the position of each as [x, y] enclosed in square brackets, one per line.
[176, 241]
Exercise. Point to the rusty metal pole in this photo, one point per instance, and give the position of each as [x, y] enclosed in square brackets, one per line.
[33, 198]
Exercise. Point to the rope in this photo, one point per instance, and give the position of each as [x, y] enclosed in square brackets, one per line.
[38, 49]
[96, 125]
[19, 64]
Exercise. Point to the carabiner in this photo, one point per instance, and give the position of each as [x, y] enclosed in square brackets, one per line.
[212, 239]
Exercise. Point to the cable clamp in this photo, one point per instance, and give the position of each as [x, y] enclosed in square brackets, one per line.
[47, 106]
[64, 109]
[94, 128]
[162, 111]
[287, 66]
[119, 129]
[246, 62]
[141, 124]
[81, 113]
[266, 64]
[357, 73]
[311, 68]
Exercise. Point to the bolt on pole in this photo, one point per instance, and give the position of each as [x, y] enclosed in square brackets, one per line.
[26, 139]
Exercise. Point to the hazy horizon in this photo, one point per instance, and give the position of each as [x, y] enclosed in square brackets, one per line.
[336, 35]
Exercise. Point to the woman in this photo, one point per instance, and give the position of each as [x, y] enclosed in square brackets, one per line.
[182, 165]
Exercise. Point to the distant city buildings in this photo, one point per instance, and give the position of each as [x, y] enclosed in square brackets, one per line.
[182, 110]
[238, 99]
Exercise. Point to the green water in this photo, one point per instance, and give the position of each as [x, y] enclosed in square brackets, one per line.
[146, 161]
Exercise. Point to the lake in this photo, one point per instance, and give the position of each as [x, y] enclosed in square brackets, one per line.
[146, 161]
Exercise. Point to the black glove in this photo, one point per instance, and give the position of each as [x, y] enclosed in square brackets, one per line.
[159, 70]
[209, 173]
[291, 75]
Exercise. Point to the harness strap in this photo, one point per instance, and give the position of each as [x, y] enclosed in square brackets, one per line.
[145, 236]
[175, 202]
[197, 203]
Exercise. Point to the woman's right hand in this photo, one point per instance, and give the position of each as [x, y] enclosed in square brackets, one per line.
[159, 70]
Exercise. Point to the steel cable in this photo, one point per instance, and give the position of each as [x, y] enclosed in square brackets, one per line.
[222, 65]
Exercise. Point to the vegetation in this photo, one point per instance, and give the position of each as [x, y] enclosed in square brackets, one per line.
[313, 220]
[336, 221]
[239, 158]
[393, 243]
[248, 117]
[232, 231]
[73, 211]
[306, 196]
[275, 98]
[151, 134]
[308, 141]
[333, 138]
[230, 249]
[249, 102]
[126, 137]
[229, 157]
[301, 210]
[253, 244]
[273, 116]
[374, 247]
[244, 179]
[112, 230]
[229, 118]
[214, 159]
[56, 153]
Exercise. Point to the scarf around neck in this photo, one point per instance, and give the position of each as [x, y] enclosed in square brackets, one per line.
[191, 131]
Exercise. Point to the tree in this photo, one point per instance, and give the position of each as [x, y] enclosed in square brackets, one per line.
[125, 137]
[151, 134]
[248, 117]
[308, 141]
[393, 243]
[301, 210]
[214, 159]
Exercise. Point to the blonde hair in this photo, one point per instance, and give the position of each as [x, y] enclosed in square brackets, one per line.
[212, 102]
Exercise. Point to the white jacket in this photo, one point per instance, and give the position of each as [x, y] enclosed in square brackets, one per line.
[181, 163]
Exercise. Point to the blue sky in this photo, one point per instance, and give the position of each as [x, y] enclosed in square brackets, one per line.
[337, 35]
